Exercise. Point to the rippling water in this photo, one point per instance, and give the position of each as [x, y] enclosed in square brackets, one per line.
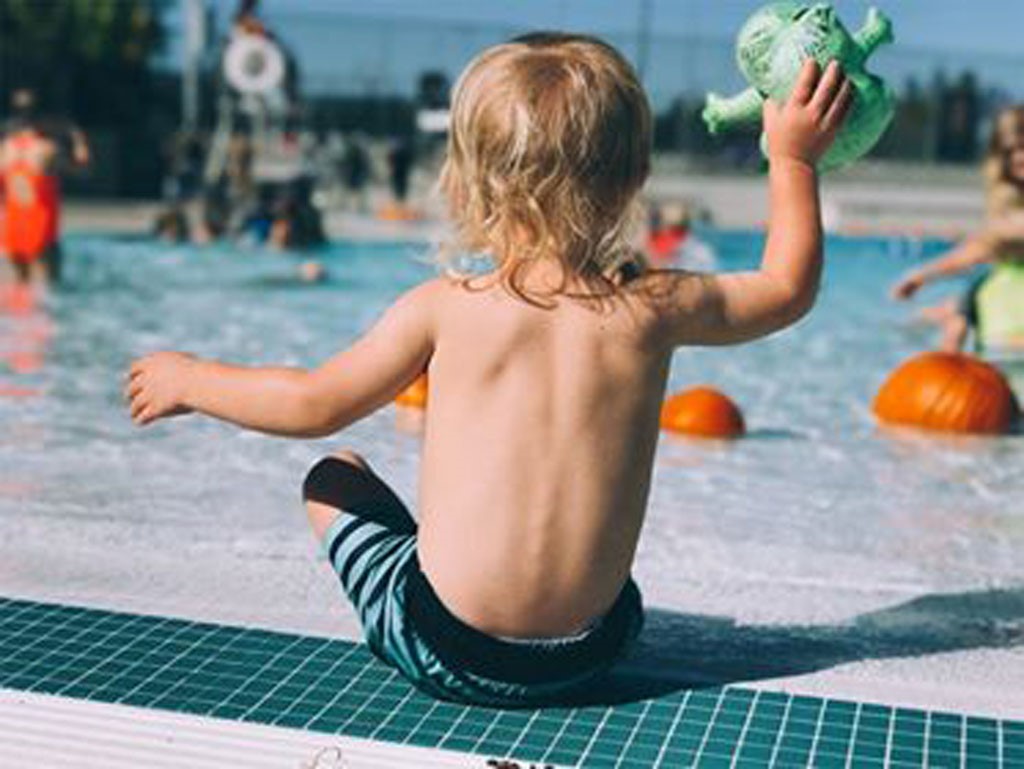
[814, 500]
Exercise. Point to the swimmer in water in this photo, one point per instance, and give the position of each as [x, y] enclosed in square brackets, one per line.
[171, 225]
[298, 226]
[297, 223]
[670, 226]
[671, 242]
[513, 586]
[993, 306]
[30, 159]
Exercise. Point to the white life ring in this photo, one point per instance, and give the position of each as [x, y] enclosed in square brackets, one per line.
[254, 65]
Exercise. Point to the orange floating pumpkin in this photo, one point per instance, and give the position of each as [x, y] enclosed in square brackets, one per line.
[946, 391]
[395, 212]
[703, 412]
[415, 395]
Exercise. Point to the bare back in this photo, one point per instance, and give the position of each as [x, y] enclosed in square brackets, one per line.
[541, 423]
[541, 432]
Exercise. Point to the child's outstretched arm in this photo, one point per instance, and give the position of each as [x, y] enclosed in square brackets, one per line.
[969, 254]
[730, 308]
[293, 401]
[981, 248]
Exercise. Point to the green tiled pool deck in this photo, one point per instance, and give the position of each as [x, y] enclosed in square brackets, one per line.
[337, 687]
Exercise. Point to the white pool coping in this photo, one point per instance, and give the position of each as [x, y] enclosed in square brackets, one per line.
[48, 732]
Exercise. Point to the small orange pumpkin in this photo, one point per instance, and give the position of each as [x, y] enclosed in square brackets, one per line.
[946, 391]
[704, 412]
[395, 212]
[415, 395]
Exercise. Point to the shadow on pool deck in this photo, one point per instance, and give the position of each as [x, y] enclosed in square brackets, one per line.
[678, 651]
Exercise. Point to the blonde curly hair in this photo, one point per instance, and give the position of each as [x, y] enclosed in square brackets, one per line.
[1005, 194]
[549, 144]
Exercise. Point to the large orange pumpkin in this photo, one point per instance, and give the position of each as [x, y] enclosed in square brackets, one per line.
[704, 412]
[415, 395]
[953, 392]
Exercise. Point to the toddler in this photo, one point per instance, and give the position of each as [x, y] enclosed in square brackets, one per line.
[512, 586]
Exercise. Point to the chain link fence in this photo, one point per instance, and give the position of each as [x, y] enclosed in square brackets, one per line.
[375, 65]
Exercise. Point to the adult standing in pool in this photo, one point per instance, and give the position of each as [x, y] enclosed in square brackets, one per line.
[30, 158]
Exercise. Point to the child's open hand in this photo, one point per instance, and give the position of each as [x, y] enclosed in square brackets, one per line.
[907, 286]
[804, 127]
[156, 386]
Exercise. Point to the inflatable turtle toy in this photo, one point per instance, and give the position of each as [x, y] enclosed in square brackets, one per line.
[772, 47]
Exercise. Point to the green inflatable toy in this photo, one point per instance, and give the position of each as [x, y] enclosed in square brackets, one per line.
[772, 47]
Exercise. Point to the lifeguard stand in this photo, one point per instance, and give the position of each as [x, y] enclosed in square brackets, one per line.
[257, 104]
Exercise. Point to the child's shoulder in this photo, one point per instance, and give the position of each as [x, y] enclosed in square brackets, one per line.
[426, 293]
[418, 306]
[666, 289]
[435, 298]
[645, 300]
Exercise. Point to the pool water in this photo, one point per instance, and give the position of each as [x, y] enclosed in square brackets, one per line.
[900, 550]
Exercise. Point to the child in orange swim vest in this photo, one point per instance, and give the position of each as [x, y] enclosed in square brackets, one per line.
[29, 160]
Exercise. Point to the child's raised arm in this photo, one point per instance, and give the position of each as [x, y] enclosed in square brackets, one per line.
[293, 401]
[730, 308]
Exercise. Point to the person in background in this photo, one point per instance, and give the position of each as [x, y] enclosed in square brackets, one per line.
[355, 172]
[298, 226]
[32, 155]
[297, 223]
[993, 305]
[400, 162]
[184, 154]
[255, 224]
[671, 242]
[171, 225]
[240, 184]
[215, 215]
[670, 226]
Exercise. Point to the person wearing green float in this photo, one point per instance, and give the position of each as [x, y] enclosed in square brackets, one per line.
[1000, 308]
[772, 46]
[993, 307]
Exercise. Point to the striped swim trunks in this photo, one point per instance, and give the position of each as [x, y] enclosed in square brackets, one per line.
[372, 547]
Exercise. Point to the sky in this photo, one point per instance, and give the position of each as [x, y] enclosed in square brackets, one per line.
[993, 26]
[381, 46]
